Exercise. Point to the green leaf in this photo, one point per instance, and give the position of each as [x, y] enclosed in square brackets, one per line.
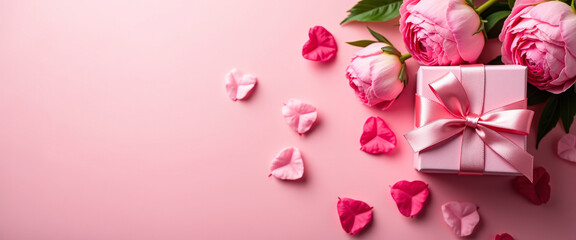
[391, 50]
[511, 3]
[567, 108]
[536, 96]
[549, 118]
[380, 37]
[402, 76]
[494, 18]
[496, 61]
[471, 3]
[497, 7]
[361, 43]
[374, 11]
[481, 27]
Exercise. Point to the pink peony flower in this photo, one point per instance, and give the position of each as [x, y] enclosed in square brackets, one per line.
[374, 76]
[541, 35]
[441, 32]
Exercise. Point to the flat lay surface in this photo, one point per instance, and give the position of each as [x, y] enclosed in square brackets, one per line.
[115, 123]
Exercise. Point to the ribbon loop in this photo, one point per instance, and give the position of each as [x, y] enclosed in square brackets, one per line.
[440, 122]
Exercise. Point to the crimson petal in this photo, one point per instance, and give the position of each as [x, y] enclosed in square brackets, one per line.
[321, 46]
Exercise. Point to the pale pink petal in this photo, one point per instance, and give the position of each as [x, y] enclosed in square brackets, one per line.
[321, 46]
[299, 115]
[239, 85]
[377, 136]
[567, 147]
[462, 217]
[410, 196]
[288, 164]
[354, 215]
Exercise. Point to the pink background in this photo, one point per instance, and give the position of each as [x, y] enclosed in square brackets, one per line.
[114, 124]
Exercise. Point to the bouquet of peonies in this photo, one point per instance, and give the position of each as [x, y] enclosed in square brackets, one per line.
[538, 34]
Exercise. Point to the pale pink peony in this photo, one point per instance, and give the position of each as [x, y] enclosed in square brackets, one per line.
[541, 35]
[441, 32]
[373, 74]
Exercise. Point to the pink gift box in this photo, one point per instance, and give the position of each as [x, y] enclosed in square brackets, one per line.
[504, 84]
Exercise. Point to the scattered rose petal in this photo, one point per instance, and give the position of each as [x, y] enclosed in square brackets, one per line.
[537, 192]
[299, 115]
[503, 236]
[410, 196]
[321, 46]
[354, 215]
[239, 85]
[288, 164]
[377, 136]
[567, 147]
[462, 217]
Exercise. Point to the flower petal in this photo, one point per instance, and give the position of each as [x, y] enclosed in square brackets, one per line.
[567, 147]
[377, 136]
[462, 217]
[239, 85]
[538, 192]
[354, 215]
[503, 236]
[288, 164]
[299, 115]
[410, 196]
[321, 46]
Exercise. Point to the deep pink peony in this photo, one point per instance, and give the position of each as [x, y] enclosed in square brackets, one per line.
[441, 32]
[541, 35]
[373, 75]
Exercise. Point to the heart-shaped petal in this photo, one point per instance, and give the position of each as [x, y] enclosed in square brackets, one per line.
[538, 192]
[377, 136]
[410, 196]
[503, 236]
[354, 215]
[299, 115]
[321, 46]
[239, 85]
[288, 164]
[567, 147]
[462, 217]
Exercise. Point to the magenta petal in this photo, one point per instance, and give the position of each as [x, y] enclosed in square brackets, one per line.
[567, 147]
[410, 196]
[503, 236]
[354, 215]
[321, 46]
[462, 217]
[288, 164]
[239, 85]
[299, 115]
[377, 136]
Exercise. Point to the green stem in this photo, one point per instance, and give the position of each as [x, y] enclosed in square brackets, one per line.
[485, 6]
[405, 56]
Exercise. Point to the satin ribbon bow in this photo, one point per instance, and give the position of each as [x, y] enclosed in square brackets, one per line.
[440, 122]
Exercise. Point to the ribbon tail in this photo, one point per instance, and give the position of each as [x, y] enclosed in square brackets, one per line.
[512, 153]
[434, 133]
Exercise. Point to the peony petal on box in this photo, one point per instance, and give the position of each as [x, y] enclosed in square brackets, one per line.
[299, 115]
[462, 217]
[410, 196]
[239, 85]
[288, 164]
[377, 137]
[567, 147]
[538, 192]
[503, 236]
[354, 215]
[320, 46]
